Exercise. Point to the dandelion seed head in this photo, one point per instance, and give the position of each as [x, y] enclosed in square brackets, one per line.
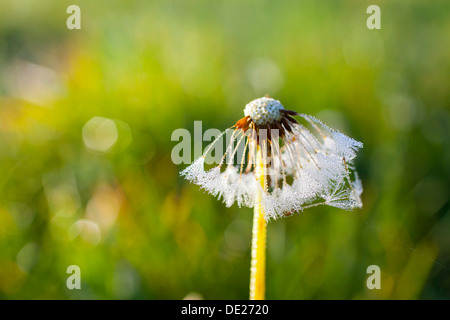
[264, 111]
[303, 164]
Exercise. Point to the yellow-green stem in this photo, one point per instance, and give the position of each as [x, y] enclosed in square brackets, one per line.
[258, 261]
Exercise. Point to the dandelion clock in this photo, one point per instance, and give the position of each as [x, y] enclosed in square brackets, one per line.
[279, 162]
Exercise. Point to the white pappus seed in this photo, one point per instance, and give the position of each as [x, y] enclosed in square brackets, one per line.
[264, 110]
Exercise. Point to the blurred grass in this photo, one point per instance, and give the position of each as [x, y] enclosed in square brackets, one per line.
[135, 228]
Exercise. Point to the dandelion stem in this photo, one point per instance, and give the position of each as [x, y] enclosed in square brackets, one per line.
[258, 254]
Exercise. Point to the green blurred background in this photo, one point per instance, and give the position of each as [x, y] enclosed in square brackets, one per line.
[86, 118]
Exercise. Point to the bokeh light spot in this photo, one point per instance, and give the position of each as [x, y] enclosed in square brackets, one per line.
[87, 230]
[100, 134]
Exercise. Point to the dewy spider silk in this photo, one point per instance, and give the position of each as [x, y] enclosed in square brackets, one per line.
[305, 163]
